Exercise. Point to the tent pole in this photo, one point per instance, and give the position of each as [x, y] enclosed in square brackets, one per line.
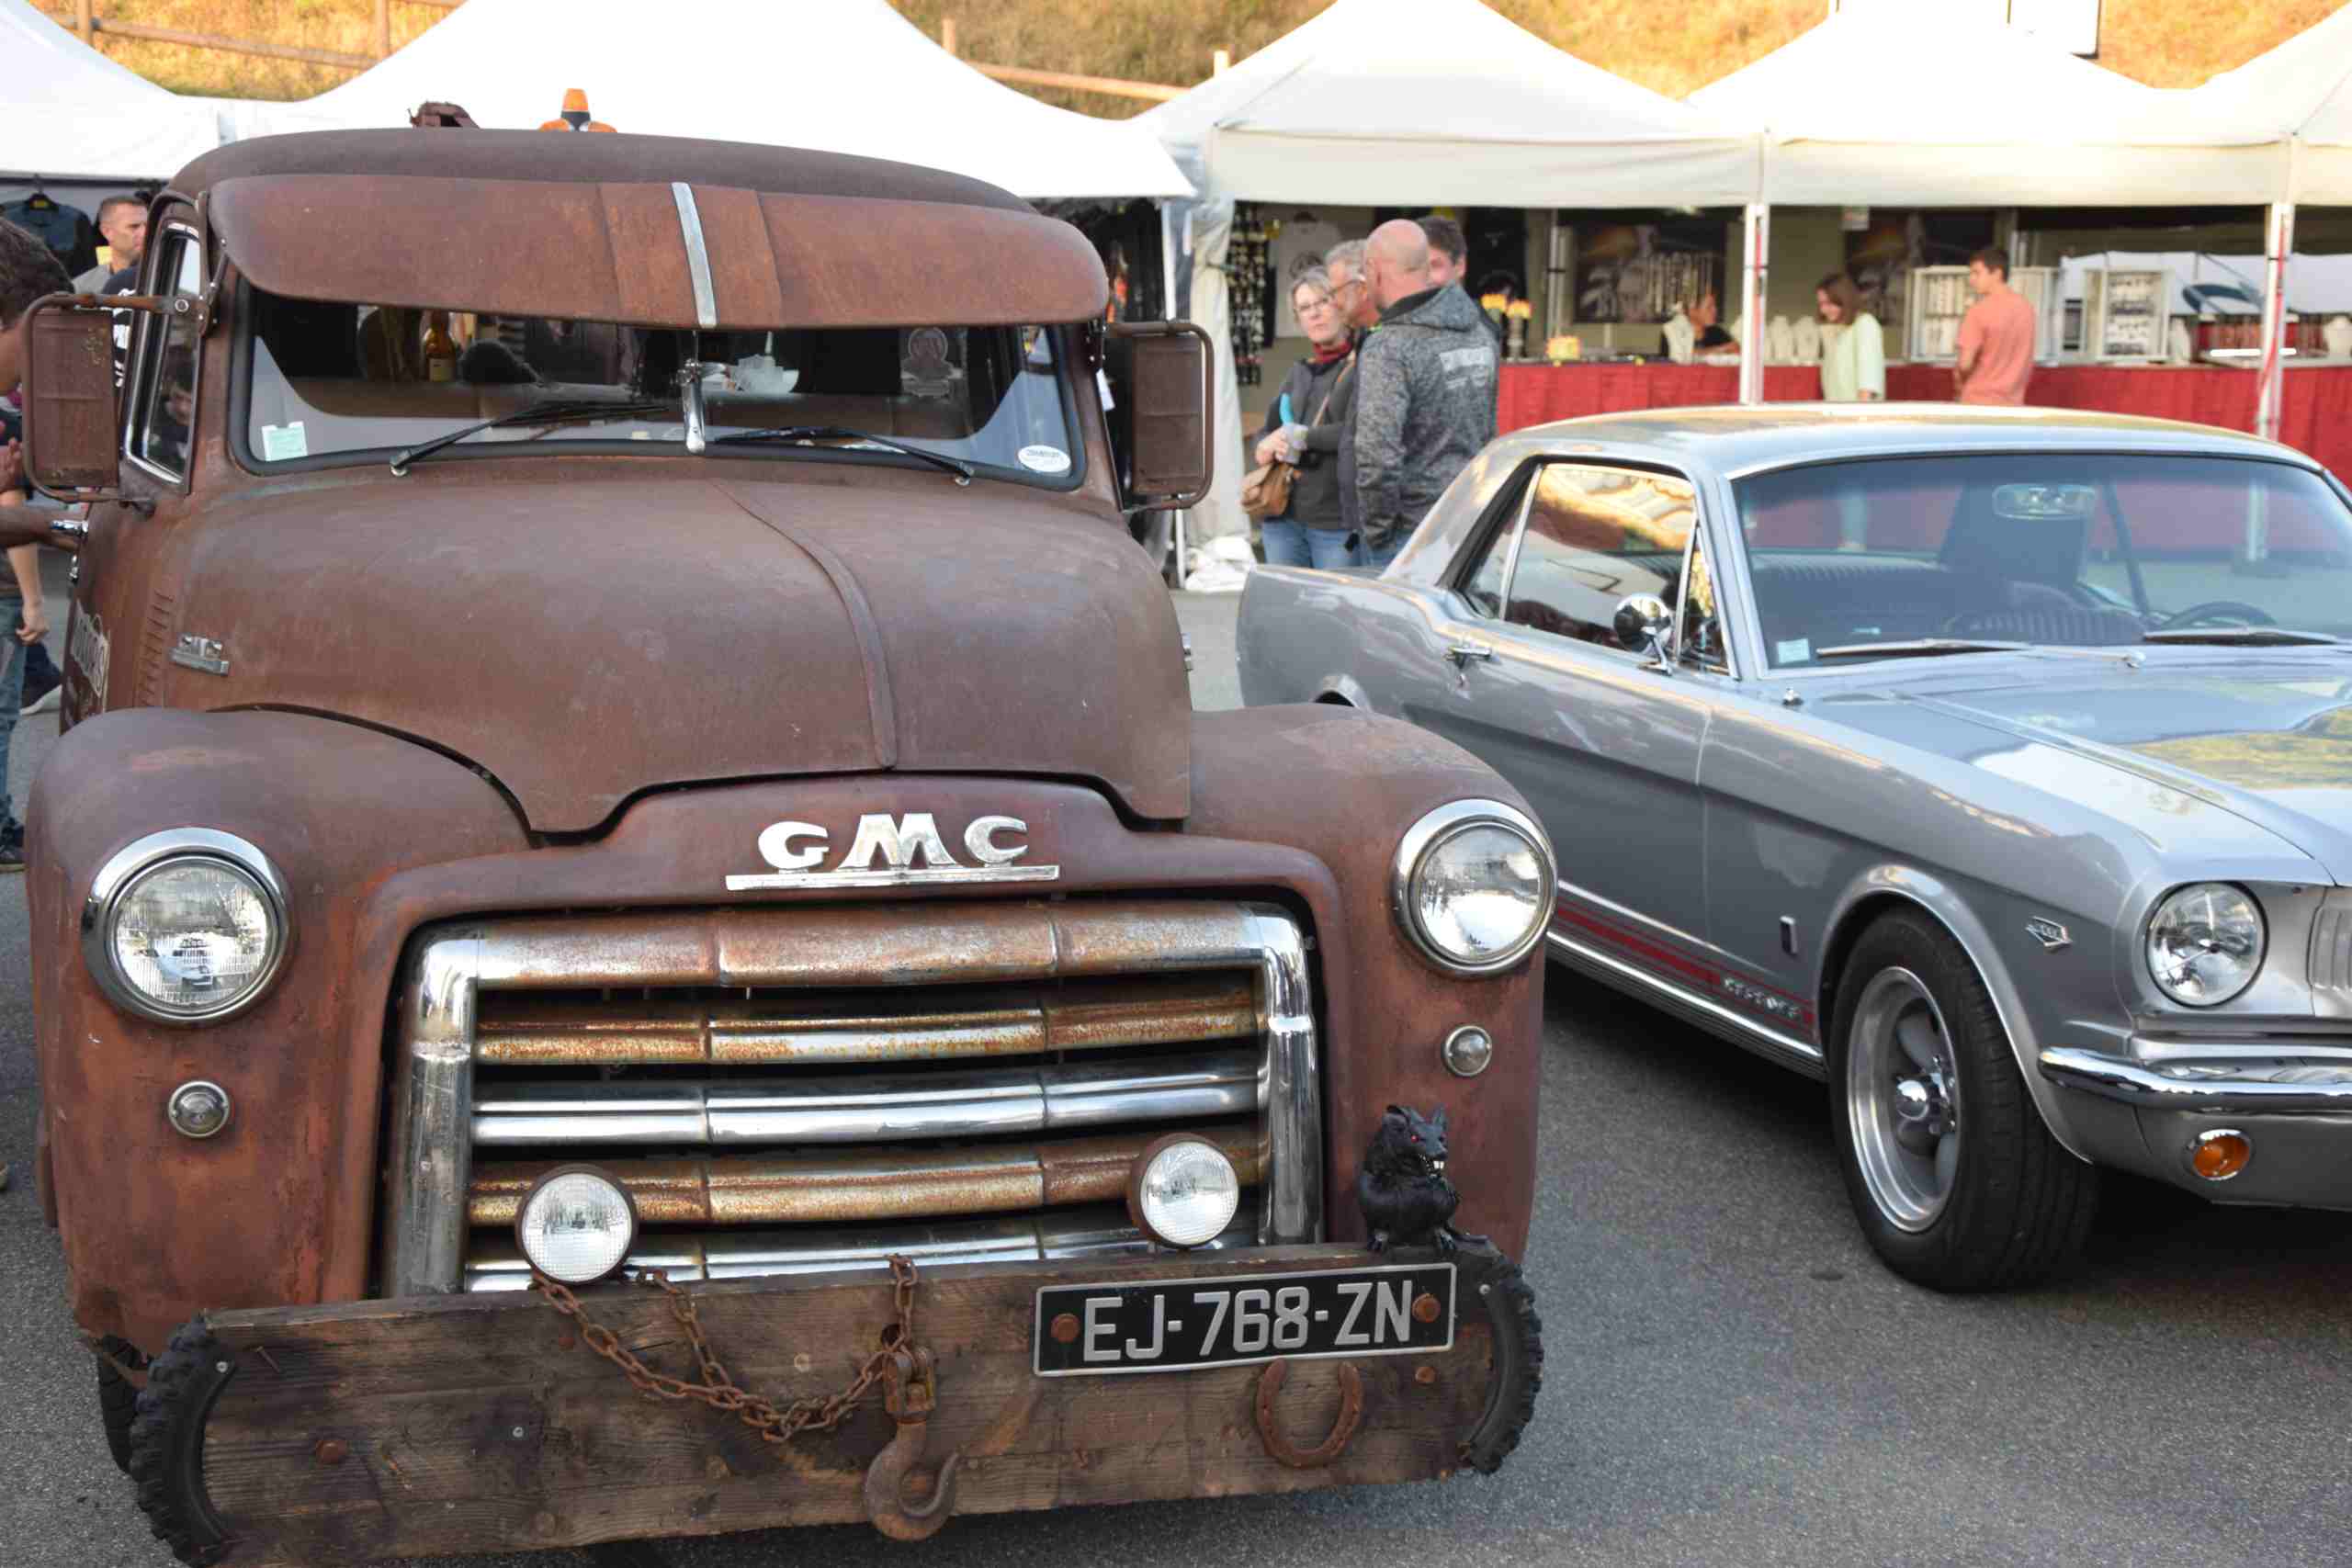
[2270, 395]
[1753, 275]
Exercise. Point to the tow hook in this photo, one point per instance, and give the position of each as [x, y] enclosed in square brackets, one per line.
[910, 1394]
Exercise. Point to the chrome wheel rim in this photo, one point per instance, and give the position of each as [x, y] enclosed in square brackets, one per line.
[1902, 1099]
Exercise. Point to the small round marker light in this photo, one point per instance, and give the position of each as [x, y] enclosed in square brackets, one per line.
[576, 1224]
[1182, 1191]
[2220, 1154]
[1467, 1051]
[198, 1109]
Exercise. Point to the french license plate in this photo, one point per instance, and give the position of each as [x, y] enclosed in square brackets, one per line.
[1174, 1325]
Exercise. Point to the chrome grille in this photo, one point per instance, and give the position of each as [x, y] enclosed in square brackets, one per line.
[978, 1078]
[2330, 955]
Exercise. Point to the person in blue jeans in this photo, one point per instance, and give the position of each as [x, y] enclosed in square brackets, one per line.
[28, 271]
[1303, 428]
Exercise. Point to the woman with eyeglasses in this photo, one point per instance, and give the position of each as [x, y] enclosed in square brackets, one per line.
[1303, 428]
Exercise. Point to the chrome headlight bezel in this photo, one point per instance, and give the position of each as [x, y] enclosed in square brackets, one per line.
[135, 861]
[1435, 829]
[2254, 970]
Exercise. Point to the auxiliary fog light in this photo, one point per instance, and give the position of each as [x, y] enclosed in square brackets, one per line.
[1182, 1191]
[576, 1224]
[2220, 1154]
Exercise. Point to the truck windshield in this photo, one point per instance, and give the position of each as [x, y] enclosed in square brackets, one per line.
[355, 382]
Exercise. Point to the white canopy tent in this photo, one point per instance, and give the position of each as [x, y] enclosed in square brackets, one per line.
[1419, 103]
[2304, 89]
[1871, 109]
[1442, 102]
[71, 115]
[846, 76]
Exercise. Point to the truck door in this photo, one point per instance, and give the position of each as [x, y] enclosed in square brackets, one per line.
[113, 574]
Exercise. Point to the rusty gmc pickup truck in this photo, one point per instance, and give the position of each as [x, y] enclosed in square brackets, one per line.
[634, 932]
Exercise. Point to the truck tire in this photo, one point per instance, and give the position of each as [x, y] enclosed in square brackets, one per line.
[118, 1398]
[1956, 1181]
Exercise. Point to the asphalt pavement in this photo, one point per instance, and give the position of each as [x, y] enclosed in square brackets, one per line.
[1731, 1377]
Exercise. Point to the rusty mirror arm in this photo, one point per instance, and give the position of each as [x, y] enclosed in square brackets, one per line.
[71, 446]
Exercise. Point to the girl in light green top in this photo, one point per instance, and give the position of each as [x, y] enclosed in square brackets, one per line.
[1853, 365]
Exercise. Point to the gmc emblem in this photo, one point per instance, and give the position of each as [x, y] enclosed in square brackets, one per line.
[795, 850]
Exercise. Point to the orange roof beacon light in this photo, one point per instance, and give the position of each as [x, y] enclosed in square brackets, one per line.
[575, 114]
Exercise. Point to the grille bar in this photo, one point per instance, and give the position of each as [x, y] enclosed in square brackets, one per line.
[889, 1185]
[539, 1031]
[869, 1110]
[1093, 1231]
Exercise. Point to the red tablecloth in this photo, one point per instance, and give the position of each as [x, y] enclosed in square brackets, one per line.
[2317, 417]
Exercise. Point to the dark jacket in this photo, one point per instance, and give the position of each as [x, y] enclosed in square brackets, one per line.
[1315, 489]
[1424, 407]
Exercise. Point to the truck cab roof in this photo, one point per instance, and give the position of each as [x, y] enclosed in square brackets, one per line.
[642, 230]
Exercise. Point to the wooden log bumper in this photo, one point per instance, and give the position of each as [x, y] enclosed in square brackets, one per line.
[475, 1424]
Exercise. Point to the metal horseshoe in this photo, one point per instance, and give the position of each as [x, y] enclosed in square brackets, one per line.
[1270, 1427]
[908, 1396]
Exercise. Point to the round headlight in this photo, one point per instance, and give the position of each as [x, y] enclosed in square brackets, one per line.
[187, 926]
[576, 1224]
[2205, 943]
[1472, 885]
[1184, 1191]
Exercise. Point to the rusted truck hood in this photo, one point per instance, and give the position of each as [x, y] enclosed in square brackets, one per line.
[587, 639]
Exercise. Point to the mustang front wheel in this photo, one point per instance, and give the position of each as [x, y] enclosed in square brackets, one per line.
[1956, 1181]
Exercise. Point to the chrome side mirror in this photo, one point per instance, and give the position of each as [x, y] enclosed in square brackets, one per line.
[1642, 625]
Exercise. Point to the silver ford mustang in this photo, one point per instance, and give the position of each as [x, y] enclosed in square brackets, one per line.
[1994, 766]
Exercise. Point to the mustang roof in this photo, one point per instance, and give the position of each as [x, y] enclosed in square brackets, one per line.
[1730, 438]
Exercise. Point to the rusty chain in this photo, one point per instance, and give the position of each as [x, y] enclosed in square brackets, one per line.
[717, 1389]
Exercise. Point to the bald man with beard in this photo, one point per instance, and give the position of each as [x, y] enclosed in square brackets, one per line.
[1425, 389]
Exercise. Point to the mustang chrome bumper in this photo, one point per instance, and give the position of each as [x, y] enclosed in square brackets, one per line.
[2240, 1088]
[2290, 1115]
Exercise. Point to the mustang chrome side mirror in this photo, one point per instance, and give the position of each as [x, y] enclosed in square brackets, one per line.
[1641, 625]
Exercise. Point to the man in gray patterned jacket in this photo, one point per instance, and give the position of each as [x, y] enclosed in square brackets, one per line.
[1425, 389]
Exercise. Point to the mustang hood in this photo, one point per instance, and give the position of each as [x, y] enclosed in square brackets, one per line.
[2269, 742]
[583, 640]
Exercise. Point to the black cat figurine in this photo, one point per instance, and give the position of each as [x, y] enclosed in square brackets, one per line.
[1401, 1185]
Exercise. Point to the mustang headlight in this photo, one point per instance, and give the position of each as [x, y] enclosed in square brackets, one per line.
[2205, 943]
[187, 926]
[1472, 885]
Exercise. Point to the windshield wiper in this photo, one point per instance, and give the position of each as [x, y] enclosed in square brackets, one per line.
[1918, 648]
[2242, 637]
[789, 434]
[555, 410]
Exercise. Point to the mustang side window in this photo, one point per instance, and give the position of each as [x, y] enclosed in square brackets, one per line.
[1699, 644]
[1595, 537]
[1484, 587]
[166, 392]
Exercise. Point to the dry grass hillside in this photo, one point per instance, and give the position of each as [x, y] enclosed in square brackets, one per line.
[1674, 49]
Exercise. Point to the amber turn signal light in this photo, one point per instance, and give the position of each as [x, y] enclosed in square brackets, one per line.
[2218, 1155]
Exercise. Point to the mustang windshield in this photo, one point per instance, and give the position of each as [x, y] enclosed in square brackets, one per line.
[357, 382]
[2051, 550]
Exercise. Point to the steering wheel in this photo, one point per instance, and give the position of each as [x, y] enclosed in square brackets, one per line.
[2214, 609]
